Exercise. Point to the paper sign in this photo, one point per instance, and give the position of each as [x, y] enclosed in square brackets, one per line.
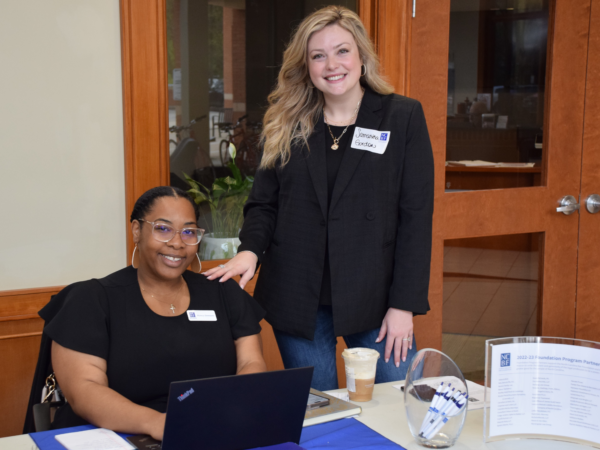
[548, 389]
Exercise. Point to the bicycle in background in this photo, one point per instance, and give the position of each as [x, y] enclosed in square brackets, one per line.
[189, 157]
[246, 138]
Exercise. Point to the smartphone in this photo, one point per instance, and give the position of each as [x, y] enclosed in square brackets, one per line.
[316, 401]
[144, 442]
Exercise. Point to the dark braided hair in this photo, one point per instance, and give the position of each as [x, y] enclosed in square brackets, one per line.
[147, 199]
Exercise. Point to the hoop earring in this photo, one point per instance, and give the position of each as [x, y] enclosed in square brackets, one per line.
[132, 256]
[199, 263]
[361, 72]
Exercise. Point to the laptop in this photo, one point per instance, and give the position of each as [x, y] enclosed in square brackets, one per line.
[235, 412]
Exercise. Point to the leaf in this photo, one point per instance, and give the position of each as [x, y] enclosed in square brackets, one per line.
[198, 196]
[190, 181]
[235, 171]
[220, 184]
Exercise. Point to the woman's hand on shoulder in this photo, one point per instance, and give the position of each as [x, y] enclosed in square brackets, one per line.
[397, 325]
[244, 264]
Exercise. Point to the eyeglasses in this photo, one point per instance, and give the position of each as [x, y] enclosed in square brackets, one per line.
[164, 233]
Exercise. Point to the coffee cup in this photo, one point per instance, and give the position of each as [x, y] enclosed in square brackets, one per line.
[361, 364]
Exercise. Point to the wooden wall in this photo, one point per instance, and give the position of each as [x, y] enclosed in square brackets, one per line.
[20, 334]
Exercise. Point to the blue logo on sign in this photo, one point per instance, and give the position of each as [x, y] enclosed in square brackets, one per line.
[504, 359]
[384, 136]
[192, 314]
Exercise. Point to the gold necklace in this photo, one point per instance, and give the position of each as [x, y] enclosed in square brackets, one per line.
[336, 141]
[172, 308]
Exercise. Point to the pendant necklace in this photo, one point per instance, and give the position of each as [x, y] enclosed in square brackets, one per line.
[172, 308]
[336, 141]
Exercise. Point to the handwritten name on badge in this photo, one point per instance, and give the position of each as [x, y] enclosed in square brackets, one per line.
[370, 140]
[201, 316]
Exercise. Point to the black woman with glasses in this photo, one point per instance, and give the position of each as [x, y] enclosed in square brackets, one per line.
[119, 341]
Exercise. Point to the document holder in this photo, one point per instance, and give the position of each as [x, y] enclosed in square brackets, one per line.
[542, 388]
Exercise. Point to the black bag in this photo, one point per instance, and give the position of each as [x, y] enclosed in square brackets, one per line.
[43, 372]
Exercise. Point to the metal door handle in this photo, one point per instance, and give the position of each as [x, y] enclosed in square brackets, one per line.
[568, 205]
[592, 203]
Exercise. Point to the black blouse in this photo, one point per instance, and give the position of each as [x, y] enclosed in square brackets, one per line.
[144, 351]
[334, 160]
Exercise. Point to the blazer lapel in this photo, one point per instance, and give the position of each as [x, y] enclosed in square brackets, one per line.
[369, 116]
[315, 158]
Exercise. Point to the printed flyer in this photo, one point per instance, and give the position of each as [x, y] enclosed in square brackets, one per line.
[550, 389]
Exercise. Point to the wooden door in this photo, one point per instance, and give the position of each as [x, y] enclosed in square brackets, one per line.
[588, 268]
[487, 213]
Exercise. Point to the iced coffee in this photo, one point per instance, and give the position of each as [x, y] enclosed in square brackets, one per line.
[361, 364]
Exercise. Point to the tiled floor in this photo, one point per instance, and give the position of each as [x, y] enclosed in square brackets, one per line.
[477, 308]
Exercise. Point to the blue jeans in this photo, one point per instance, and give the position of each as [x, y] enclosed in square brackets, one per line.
[320, 353]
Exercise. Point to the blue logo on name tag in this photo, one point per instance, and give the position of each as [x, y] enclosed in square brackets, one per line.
[192, 314]
[384, 136]
[504, 359]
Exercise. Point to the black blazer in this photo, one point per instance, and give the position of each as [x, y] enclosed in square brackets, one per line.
[378, 225]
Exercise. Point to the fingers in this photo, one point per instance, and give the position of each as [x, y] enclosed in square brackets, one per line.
[208, 273]
[230, 273]
[397, 350]
[405, 344]
[389, 345]
[382, 332]
[245, 278]
[216, 272]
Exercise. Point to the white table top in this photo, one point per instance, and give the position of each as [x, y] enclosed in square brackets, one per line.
[386, 415]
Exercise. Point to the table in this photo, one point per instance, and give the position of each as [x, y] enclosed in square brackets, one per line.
[386, 415]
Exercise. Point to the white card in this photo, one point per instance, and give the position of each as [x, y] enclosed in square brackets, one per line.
[370, 140]
[201, 316]
[97, 439]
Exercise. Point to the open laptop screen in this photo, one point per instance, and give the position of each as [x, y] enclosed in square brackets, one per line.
[237, 412]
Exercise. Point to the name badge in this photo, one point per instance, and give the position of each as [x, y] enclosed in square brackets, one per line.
[202, 316]
[370, 140]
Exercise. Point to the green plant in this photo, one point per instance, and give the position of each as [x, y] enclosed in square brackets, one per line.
[226, 199]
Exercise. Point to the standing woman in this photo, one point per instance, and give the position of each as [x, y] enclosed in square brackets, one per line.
[341, 209]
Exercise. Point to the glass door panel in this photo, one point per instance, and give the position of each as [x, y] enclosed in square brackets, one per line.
[490, 290]
[496, 91]
[223, 60]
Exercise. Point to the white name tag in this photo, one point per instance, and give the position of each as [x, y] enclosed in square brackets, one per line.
[370, 140]
[202, 316]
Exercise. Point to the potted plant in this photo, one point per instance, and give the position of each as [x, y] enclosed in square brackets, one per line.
[226, 200]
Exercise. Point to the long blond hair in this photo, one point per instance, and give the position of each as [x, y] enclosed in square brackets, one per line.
[295, 105]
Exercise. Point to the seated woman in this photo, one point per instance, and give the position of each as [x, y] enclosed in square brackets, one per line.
[118, 342]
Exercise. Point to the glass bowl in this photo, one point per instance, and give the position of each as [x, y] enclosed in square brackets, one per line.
[435, 398]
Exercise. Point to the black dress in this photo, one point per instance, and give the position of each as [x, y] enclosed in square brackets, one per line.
[144, 351]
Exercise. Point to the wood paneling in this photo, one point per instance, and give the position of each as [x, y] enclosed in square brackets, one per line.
[145, 104]
[388, 22]
[428, 84]
[20, 331]
[24, 303]
[393, 42]
[588, 275]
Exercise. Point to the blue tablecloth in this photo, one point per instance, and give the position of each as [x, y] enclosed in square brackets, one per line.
[344, 434]
[340, 434]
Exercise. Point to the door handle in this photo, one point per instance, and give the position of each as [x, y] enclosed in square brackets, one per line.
[592, 203]
[568, 205]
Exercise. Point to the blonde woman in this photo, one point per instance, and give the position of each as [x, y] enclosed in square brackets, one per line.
[340, 214]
